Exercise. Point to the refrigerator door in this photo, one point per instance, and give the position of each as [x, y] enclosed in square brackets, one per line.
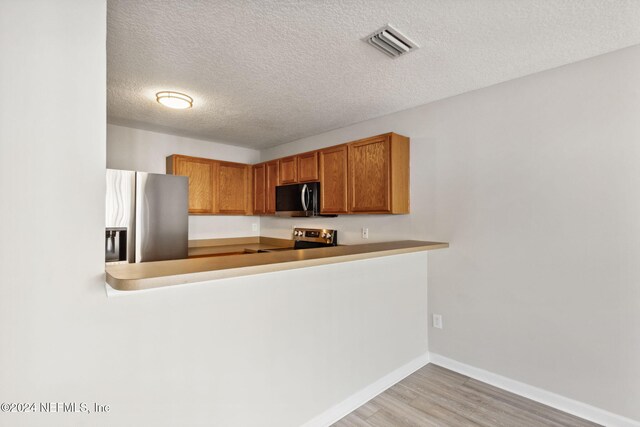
[120, 204]
[162, 217]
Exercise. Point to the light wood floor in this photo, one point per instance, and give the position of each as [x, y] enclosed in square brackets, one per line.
[435, 396]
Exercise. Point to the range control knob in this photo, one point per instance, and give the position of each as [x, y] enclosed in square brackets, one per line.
[328, 235]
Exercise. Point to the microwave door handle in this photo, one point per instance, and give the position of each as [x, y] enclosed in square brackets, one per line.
[303, 197]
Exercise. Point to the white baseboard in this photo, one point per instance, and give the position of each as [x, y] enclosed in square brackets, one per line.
[562, 403]
[353, 402]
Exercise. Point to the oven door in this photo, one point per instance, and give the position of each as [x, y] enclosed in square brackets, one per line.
[297, 200]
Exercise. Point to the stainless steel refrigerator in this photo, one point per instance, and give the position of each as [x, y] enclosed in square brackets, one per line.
[152, 210]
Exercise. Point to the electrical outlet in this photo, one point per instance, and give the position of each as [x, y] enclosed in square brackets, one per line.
[254, 226]
[437, 321]
[365, 233]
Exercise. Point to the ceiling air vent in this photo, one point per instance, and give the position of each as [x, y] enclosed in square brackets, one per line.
[391, 42]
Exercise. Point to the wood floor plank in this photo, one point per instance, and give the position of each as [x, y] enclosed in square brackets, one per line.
[399, 413]
[544, 411]
[445, 416]
[385, 418]
[367, 410]
[439, 373]
[480, 407]
[464, 404]
[352, 420]
[401, 392]
[482, 415]
[435, 396]
[500, 411]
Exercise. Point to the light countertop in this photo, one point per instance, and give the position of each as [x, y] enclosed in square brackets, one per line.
[235, 245]
[203, 267]
[205, 251]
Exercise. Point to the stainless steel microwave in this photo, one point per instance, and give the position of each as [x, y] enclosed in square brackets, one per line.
[298, 199]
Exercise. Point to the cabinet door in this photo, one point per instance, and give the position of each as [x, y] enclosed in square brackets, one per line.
[233, 188]
[201, 173]
[259, 187]
[369, 189]
[288, 170]
[333, 180]
[308, 167]
[272, 178]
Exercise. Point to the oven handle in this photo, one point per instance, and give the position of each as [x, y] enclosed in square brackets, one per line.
[304, 196]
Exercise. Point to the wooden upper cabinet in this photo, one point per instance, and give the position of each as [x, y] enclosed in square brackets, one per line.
[272, 173]
[215, 187]
[308, 167]
[369, 168]
[233, 188]
[289, 170]
[265, 180]
[201, 174]
[259, 189]
[300, 168]
[366, 176]
[333, 179]
[379, 174]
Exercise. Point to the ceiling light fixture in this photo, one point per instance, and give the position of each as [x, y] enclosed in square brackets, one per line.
[175, 100]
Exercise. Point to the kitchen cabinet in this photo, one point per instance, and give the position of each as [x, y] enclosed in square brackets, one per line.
[215, 187]
[368, 176]
[333, 176]
[379, 174]
[272, 173]
[265, 179]
[259, 189]
[202, 175]
[289, 170]
[299, 168]
[233, 189]
[308, 167]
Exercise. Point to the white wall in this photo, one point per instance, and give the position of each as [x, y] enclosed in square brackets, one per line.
[275, 349]
[54, 323]
[534, 182]
[271, 350]
[142, 150]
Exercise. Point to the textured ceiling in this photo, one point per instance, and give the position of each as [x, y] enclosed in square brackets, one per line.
[264, 72]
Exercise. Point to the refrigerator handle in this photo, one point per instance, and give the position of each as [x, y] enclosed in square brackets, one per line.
[145, 220]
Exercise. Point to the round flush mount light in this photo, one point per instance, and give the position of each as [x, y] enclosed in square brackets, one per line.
[175, 100]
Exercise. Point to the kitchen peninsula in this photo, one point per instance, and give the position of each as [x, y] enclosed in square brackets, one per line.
[132, 277]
